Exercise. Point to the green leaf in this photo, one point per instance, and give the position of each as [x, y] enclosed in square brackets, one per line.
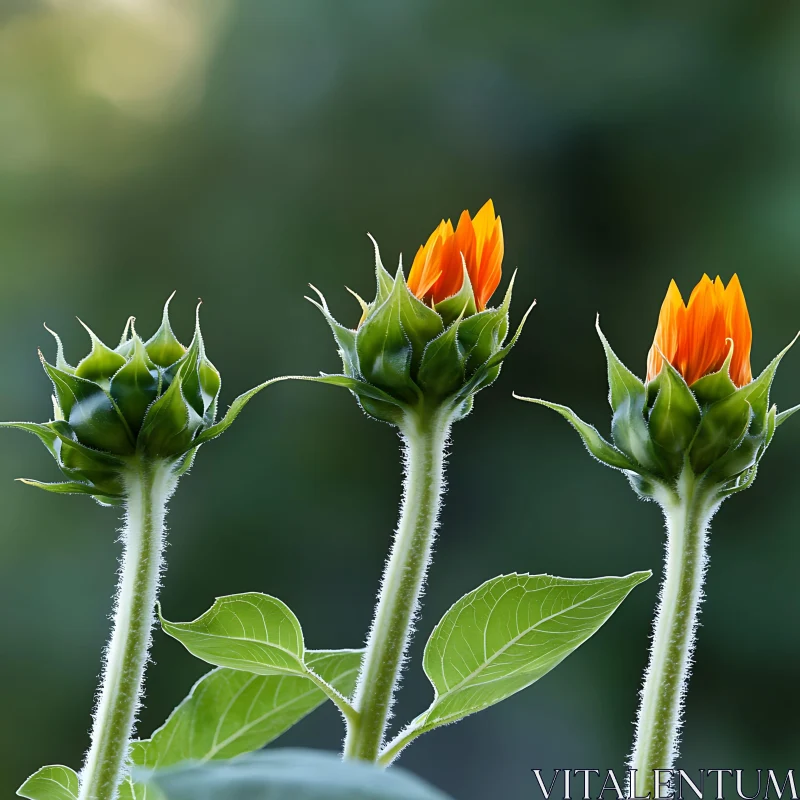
[228, 712]
[163, 348]
[784, 415]
[628, 397]
[601, 449]
[292, 775]
[51, 783]
[508, 633]
[251, 632]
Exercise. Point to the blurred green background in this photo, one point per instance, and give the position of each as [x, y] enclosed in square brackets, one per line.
[236, 151]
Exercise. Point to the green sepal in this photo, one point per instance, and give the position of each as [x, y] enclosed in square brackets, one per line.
[383, 280]
[601, 449]
[421, 324]
[674, 417]
[443, 366]
[135, 387]
[487, 373]
[345, 337]
[479, 336]
[628, 397]
[385, 351]
[482, 334]
[373, 401]
[722, 428]
[757, 392]
[461, 304]
[69, 487]
[170, 425]
[784, 415]
[125, 346]
[42, 431]
[101, 363]
[744, 480]
[90, 412]
[163, 347]
[200, 381]
[51, 783]
[61, 362]
[716, 386]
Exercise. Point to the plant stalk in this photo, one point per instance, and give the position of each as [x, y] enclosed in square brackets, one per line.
[148, 488]
[688, 512]
[425, 437]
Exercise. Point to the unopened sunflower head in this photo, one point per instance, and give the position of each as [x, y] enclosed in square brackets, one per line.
[139, 400]
[699, 412]
[432, 341]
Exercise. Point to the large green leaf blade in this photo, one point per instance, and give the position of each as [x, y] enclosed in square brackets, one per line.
[229, 712]
[292, 775]
[510, 632]
[51, 783]
[251, 632]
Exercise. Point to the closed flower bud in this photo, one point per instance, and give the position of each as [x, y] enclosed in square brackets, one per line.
[430, 341]
[700, 409]
[154, 400]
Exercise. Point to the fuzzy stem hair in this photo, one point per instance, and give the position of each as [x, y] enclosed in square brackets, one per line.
[149, 486]
[425, 438]
[688, 510]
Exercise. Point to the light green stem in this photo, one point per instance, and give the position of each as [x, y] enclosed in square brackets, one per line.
[148, 487]
[688, 512]
[425, 438]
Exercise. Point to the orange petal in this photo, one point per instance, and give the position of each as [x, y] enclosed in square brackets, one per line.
[670, 320]
[739, 328]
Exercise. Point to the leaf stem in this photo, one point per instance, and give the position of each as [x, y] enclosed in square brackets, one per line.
[391, 750]
[338, 699]
[688, 511]
[149, 486]
[425, 437]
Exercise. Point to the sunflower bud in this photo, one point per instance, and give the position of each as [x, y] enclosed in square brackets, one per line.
[700, 411]
[430, 342]
[154, 400]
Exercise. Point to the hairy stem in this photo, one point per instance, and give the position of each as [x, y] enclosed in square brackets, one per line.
[425, 438]
[688, 512]
[148, 487]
